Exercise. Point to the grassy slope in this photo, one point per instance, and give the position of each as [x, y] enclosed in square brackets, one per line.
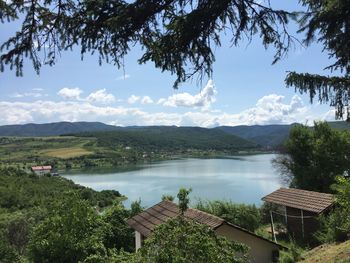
[16, 149]
[328, 253]
[66, 153]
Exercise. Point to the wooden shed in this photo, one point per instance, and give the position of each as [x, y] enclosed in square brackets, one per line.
[261, 249]
[300, 209]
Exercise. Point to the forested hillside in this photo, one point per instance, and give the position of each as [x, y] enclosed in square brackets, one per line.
[53, 129]
[171, 138]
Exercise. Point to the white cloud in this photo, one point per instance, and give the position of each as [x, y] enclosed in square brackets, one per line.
[203, 99]
[70, 93]
[38, 89]
[146, 100]
[133, 99]
[270, 109]
[27, 94]
[123, 77]
[101, 96]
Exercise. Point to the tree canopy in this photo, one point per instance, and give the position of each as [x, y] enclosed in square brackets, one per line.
[327, 22]
[315, 156]
[176, 35]
[179, 36]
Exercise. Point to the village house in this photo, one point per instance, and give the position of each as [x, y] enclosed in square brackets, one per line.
[262, 250]
[300, 209]
[41, 170]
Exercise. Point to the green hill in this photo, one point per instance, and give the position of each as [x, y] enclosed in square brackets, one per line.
[53, 129]
[271, 135]
[170, 138]
[265, 135]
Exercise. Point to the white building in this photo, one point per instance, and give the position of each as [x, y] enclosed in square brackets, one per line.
[42, 170]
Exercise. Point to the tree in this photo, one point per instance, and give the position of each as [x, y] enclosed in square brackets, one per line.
[336, 226]
[179, 36]
[328, 22]
[176, 35]
[117, 233]
[71, 232]
[315, 156]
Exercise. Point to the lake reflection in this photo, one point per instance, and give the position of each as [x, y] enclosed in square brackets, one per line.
[238, 178]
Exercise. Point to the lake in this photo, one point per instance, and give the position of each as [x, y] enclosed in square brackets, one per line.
[243, 179]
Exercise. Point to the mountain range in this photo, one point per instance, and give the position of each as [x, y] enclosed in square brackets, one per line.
[264, 135]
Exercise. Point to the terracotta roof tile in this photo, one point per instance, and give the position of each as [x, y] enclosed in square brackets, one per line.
[301, 199]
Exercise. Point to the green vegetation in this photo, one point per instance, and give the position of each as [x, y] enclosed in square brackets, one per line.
[31, 205]
[314, 157]
[50, 219]
[165, 139]
[317, 159]
[326, 253]
[115, 148]
[336, 226]
[246, 216]
[179, 240]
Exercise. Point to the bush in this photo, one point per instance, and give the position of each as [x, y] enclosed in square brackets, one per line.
[336, 226]
[292, 255]
[246, 216]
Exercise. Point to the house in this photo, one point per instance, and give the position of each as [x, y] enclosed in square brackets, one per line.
[42, 170]
[261, 249]
[300, 209]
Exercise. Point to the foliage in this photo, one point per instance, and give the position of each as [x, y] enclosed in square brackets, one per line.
[184, 200]
[27, 200]
[336, 226]
[70, 232]
[117, 234]
[177, 36]
[292, 255]
[180, 240]
[170, 139]
[246, 216]
[168, 198]
[314, 157]
[328, 22]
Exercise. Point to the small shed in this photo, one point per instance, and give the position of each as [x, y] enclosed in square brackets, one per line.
[42, 170]
[261, 249]
[300, 209]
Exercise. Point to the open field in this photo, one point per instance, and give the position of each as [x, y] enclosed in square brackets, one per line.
[66, 153]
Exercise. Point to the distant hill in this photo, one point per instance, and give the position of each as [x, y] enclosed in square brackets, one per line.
[271, 135]
[53, 129]
[264, 135]
[171, 138]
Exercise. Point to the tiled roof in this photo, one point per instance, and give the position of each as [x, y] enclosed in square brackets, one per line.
[301, 199]
[146, 221]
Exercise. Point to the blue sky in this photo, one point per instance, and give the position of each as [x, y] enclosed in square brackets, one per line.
[245, 89]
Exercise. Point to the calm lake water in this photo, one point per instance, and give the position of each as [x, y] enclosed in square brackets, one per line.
[242, 179]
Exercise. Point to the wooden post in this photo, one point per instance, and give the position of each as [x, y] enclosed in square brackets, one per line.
[286, 215]
[302, 222]
[272, 228]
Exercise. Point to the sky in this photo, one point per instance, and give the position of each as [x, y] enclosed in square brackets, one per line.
[245, 89]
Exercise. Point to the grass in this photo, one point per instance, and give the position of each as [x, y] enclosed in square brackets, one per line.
[66, 153]
[328, 253]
